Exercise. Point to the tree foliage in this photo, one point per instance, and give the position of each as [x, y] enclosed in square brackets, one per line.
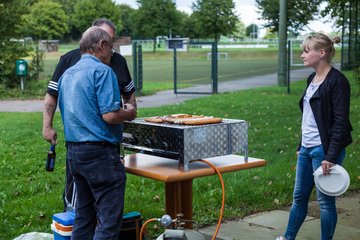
[214, 18]
[338, 10]
[86, 11]
[155, 18]
[46, 20]
[347, 15]
[335, 8]
[252, 31]
[299, 13]
[191, 28]
[178, 29]
[240, 32]
[10, 51]
[69, 8]
[270, 35]
[126, 16]
[10, 13]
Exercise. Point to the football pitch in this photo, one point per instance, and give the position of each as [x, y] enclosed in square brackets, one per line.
[195, 67]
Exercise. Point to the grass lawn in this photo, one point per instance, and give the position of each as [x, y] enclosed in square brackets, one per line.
[29, 195]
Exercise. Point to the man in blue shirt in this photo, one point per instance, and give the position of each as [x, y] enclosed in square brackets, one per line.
[126, 85]
[89, 101]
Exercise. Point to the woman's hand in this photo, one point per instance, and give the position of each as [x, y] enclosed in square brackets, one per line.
[326, 165]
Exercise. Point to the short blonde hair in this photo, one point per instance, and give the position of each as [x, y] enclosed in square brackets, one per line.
[319, 41]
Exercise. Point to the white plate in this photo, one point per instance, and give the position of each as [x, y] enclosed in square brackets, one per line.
[333, 184]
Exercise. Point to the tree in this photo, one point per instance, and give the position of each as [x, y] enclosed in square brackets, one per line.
[215, 18]
[270, 35]
[240, 31]
[69, 8]
[299, 13]
[10, 13]
[347, 16]
[86, 11]
[191, 28]
[126, 13]
[46, 20]
[178, 29]
[252, 31]
[335, 8]
[155, 18]
[10, 49]
[68, 5]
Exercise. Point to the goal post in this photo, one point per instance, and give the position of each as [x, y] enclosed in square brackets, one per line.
[295, 52]
[220, 56]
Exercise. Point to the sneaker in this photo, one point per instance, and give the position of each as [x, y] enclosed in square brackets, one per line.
[280, 238]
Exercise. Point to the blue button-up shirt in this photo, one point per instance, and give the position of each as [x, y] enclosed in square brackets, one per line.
[88, 90]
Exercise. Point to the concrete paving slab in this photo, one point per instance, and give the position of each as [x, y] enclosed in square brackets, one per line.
[348, 203]
[240, 230]
[276, 219]
[310, 230]
[345, 232]
[350, 219]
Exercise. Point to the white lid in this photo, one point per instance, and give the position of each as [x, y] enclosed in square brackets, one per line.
[62, 233]
[333, 184]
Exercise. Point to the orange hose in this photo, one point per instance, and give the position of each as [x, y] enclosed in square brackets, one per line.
[143, 226]
[222, 196]
[222, 201]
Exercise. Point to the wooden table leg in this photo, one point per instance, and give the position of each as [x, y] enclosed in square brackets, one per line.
[178, 199]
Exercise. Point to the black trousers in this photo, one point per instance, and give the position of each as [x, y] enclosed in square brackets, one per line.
[100, 179]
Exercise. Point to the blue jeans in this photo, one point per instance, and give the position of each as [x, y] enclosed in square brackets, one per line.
[308, 161]
[100, 182]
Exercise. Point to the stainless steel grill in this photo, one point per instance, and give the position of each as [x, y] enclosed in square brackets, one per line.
[185, 143]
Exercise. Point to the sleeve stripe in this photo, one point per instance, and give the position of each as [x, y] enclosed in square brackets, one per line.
[53, 85]
[129, 87]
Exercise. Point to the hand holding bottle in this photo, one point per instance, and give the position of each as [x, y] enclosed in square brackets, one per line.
[51, 156]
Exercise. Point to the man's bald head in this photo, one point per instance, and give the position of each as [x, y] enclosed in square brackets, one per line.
[93, 38]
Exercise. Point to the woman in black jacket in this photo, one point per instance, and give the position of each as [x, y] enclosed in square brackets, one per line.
[326, 131]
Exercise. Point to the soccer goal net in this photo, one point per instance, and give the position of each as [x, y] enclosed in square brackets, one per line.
[295, 52]
[220, 55]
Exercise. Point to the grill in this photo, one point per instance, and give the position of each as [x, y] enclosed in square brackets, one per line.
[185, 143]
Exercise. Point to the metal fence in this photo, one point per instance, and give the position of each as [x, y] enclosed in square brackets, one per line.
[201, 65]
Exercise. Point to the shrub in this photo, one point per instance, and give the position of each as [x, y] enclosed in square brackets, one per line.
[10, 51]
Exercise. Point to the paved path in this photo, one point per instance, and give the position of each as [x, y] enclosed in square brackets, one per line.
[268, 225]
[168, 97]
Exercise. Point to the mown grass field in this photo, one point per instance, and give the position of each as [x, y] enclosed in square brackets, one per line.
[29, 195]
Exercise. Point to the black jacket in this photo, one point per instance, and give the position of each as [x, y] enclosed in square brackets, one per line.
[117, 63]
[331, 106]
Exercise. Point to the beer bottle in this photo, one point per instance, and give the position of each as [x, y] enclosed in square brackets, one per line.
[50, 162]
